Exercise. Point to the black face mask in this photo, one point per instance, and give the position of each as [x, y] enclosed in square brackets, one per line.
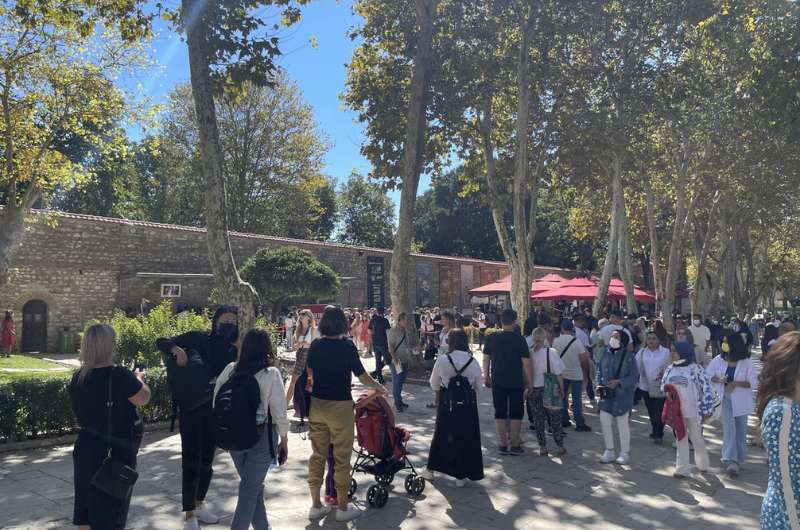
[229, 332]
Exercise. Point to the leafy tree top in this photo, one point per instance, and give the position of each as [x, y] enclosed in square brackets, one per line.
[279, 273]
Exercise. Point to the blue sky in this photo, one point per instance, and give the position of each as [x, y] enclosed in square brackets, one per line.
[319, 71]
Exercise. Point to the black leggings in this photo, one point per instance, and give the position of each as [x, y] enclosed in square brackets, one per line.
[508, 403]
[197, 454]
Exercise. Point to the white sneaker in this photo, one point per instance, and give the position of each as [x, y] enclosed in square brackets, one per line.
[204, 515]
[460, 483]
[349, 514]
[624, 458]
[608, 457]
[319, 513]
[191, 524]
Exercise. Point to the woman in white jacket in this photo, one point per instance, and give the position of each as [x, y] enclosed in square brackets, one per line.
[256, 360]
[735, 377]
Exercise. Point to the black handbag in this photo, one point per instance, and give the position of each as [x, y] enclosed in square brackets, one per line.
[114, 477]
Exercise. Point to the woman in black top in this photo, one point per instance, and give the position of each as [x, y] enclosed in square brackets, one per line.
[194, 361]
[332, 361]
[88, 392]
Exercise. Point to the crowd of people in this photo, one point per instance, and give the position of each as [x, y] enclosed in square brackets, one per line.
[228, 394]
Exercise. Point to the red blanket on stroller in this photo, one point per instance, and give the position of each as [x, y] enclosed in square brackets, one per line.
[376, 430]
[672, 414]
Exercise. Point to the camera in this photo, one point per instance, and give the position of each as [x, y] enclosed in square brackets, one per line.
[606, 393]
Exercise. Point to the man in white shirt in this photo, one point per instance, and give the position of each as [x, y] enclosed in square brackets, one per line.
[574, 354]
[702, 338]
[581, 331]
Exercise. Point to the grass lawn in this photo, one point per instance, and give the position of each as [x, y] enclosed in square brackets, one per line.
[36, 367]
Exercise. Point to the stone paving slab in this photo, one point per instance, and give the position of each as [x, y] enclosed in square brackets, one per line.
[523, 492]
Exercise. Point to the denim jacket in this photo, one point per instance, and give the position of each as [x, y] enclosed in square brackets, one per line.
[622, 402]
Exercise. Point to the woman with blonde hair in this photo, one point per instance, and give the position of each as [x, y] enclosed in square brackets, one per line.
[104, 396]
[545, 360]
[779, 411]
[304, 334]
[355, 330]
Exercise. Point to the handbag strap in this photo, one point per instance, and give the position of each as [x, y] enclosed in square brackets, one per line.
[783, 457]
[564, 351]
[619, 366]
[110, 406]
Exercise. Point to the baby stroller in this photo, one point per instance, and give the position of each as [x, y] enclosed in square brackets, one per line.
[381, 450]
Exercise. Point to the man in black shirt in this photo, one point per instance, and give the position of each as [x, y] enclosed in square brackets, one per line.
[508, 371]
[378, 328]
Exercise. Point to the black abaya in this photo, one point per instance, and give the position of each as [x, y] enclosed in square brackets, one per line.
[456, 448]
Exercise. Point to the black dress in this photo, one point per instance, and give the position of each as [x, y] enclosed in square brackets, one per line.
[92, 506]
[456, 448]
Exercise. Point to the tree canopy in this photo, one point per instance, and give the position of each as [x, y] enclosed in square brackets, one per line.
[280, 273]
[366, 214]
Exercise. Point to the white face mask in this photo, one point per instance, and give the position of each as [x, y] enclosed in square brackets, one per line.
[696, 323]
[614, 343]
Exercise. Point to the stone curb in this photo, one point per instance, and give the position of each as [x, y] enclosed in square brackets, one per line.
[65, 439]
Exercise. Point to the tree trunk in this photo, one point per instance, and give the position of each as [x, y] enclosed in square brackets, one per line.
[413, 151]
[676, 247]
[728, 260]
[701, 256]
[232, 288]
[613, 239]
[12, 219]
[626, 256]
[658, 288]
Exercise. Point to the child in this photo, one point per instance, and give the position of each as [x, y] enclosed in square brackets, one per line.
[697, 403]
[545, 360]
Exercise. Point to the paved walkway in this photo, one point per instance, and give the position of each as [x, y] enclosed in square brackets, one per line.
[524, 492]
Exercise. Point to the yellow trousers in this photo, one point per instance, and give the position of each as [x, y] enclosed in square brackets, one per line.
[331, 422]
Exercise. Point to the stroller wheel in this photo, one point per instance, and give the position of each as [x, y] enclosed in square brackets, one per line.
[353, 487]
[377, 495]
[384, 478]
[415, 485]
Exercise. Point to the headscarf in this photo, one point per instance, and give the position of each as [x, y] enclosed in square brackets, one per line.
[624, 339]
[686, 352]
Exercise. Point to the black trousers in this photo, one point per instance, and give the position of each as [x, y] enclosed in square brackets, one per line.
[381, 360]
[655, 406]
[91, 506]
[197, 454]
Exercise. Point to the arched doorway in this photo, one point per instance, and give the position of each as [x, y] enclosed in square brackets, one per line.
[34, 326]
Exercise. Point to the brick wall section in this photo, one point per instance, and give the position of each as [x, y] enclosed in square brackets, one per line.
[84, 267]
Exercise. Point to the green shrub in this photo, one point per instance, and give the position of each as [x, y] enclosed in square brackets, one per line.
[30, 408]
[136, 336]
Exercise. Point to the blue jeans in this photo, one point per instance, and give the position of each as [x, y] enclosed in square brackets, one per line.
[398, 380]
[734, 434]
[252, 465]
[576, 388]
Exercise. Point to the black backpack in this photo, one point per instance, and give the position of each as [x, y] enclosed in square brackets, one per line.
[235, 407]
[459, 392]
[189, 384]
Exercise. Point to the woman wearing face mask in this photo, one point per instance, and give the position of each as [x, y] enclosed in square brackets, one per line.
[194, 361]
[651, 361]
[735, 377]
[617, 378]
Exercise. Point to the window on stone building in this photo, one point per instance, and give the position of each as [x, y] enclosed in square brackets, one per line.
[170, 290]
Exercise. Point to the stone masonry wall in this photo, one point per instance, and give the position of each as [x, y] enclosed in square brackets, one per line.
[85, 267]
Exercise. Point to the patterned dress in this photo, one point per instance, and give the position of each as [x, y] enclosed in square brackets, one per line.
[773, 509]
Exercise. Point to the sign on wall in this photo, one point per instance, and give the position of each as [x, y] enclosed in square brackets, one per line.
[424, 284]
[467, 283]
[376, 295]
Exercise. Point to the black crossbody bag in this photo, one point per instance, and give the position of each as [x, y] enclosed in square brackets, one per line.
[114, 477]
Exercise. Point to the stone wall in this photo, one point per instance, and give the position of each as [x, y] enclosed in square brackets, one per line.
[85, 267]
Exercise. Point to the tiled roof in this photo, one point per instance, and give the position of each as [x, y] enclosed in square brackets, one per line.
[288, 240]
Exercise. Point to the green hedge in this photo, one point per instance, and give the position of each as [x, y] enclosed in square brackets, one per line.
[31, 408]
